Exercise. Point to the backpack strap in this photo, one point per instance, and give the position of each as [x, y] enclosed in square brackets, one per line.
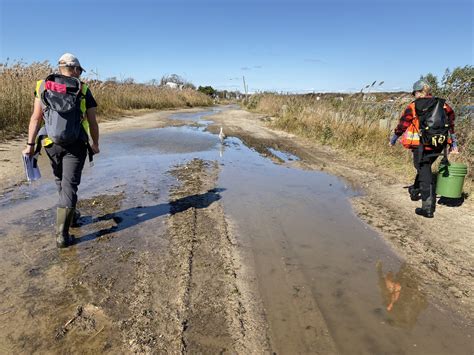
[39, 88]
[85, 122]
[445, 160]
[84, 88]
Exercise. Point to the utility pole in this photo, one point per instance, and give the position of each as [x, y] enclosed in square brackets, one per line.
[245, 87]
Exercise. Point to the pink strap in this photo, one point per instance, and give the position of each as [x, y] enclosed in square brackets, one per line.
[51, 85]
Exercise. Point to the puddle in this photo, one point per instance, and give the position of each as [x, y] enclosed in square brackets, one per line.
[170, 140]
[196, 116]
[312, 254]
[283, 156]
[308, 243]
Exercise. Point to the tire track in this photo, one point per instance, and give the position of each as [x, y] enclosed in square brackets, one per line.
[213, 310]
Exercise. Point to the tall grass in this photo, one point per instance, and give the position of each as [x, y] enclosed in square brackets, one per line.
[17, 85]
[358, 127]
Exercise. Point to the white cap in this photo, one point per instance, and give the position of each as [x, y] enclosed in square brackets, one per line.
[69, 60]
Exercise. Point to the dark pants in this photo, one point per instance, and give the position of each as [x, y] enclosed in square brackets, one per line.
[424, 176]
[67, 163]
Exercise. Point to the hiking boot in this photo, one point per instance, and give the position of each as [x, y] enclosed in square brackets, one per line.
[427, 208]
[414, 193]
[64, 218]
[75, 220]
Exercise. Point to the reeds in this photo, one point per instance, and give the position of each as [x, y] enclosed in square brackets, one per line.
[362, 128]
[17, 85]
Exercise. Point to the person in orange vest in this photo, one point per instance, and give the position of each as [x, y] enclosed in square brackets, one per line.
[49, 126]
[424, 155]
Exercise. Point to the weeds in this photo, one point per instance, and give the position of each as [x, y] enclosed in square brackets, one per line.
[17, 85]
[360, 127]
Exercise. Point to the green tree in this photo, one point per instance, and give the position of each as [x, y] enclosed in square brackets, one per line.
[208, 90]
[459, 80]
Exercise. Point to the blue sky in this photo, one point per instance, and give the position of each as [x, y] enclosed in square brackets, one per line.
[278, 45]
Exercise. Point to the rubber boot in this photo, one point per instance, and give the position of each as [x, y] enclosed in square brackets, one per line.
[64, 218]
[75, 219]
[414, 193]
[427, 208]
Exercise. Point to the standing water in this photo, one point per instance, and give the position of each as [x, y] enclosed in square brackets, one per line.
[317, 265]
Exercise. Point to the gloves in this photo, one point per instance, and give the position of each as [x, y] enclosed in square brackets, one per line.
[454, 144]
[454, 140]
[393, 140]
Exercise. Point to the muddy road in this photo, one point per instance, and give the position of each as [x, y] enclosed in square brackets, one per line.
[190, 245]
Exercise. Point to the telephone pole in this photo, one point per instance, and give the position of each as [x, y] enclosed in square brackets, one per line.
[245, 87]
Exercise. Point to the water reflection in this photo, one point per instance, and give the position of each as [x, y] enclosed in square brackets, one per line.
[401, 295]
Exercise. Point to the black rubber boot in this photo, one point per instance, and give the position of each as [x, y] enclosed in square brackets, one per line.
[414, 193]
[75, 219]
[64, 218]
[427, 208]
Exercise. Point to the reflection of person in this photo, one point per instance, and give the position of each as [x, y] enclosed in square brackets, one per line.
[67, 159]
[394, 288]
[402, 298]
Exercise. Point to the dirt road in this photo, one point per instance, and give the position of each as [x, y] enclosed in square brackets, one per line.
[189, 245]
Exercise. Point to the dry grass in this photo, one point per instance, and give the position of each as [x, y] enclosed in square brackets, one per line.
[17, 84]
[356, 127]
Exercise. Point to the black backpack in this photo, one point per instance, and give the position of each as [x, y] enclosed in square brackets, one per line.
[434, 126]
[61, 102]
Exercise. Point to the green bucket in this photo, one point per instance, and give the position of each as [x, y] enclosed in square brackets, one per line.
[450, 180]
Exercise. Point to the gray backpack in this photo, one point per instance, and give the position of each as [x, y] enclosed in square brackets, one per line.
[61, 101]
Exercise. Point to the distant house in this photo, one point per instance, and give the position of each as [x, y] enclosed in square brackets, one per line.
[174, 85]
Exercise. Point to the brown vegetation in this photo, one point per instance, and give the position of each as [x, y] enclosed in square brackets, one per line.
[361, 128]
[17, 85]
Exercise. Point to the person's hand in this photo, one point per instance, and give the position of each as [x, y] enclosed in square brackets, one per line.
[454, 150]
[29, 150]
[393, 140]
[95, 148]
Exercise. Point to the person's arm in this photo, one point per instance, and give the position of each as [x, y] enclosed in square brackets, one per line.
[34, 126]
[405, 122]
[451, 117]
[94, 129]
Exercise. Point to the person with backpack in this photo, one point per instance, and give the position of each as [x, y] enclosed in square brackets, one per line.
[427, 128]
[64, 115]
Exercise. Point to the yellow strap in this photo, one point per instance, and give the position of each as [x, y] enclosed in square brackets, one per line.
[83, 98]
[38, 88]
[46, 142]
[85, 125]
[85, 122]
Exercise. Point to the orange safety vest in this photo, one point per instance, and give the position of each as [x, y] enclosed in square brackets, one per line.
[411, 137]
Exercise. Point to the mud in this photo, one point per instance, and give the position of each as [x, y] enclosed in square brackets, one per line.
[213, 313]
[189, 245]
[440, 250]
